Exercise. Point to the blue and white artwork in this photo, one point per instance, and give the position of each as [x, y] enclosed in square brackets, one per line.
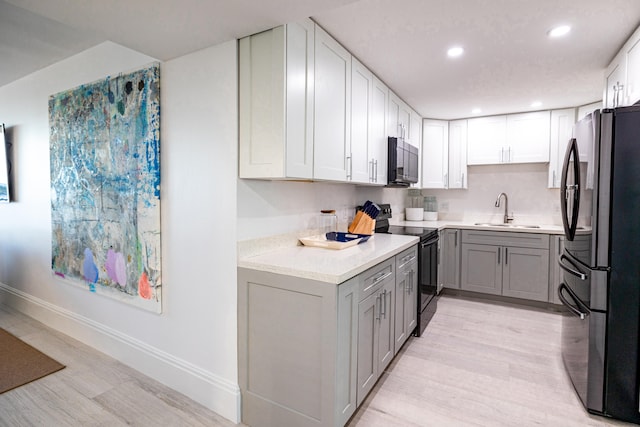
[105, 186]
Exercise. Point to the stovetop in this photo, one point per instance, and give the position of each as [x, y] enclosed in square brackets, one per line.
[382, 225]
[412, 231]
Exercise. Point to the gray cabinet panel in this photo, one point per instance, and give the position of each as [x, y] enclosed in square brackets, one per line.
[506, 238]
[287, 374]
[346, 357]
[526, 273]
[481, 268]
[506, 263]
[451, 250]
[368, 317]
[376, 330]
[406, 305]
[386, 332]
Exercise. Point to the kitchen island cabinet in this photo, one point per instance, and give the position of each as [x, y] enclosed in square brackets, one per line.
[506, 263]
[314, 335]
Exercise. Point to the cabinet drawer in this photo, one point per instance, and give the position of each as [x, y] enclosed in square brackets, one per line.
[506, 238]
[406, 258]
[375, 276]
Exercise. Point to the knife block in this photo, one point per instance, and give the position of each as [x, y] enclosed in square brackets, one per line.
[362, 224]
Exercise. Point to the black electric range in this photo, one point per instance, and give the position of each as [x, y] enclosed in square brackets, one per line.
[428, 256]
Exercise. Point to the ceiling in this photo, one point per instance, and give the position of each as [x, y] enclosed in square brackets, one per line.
[508, 63]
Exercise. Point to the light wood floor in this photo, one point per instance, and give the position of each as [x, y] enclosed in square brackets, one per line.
[93, 389]
[479, 364]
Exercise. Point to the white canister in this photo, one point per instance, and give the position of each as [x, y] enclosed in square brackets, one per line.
[413, 214]
[430, 216]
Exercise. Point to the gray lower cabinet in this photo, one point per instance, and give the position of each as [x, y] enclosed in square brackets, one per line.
[506, 263]
[481, 268]
[309, 352]
[297, 349]
[375, 326]
[450, 258]
[406, 307]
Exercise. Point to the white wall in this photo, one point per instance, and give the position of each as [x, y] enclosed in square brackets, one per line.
[192, 345]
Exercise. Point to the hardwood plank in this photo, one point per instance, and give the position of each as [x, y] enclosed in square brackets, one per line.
[480, 363]
[93, 390]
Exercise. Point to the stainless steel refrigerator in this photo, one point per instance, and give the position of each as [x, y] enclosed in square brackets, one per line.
[600, 281]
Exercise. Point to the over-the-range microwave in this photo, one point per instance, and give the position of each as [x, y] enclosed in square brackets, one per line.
[402, 163]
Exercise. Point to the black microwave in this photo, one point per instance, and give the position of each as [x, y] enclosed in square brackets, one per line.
[402, 163]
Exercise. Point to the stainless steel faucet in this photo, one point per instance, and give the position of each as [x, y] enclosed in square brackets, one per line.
[507, 218]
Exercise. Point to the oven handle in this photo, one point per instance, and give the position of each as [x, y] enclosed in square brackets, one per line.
[429, 242]
[574, 310]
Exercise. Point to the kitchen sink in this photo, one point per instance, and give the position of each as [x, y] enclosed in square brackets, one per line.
[500, 224]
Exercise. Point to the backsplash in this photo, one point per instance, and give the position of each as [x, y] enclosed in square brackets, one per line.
[524, 184]
[268, 208]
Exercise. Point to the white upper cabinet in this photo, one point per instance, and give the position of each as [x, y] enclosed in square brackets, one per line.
[622, 78]
[394, 125]
[369, 98]
[562, 122]
[528, 137]
[276, 103]
[361, 94]
[486, 140]
[457, 177]
[332, 108]
[632, 89]
[435, 154]
[512, 138]
[614, 83]
[399, 119]
[378, 132]
[415, 139]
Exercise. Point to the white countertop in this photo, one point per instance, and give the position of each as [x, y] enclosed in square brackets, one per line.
[471, 225]
[328, 265]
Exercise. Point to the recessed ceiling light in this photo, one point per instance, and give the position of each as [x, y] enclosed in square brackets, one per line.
[559, 31]
[455, 51]
[476, 111]
[536, 104]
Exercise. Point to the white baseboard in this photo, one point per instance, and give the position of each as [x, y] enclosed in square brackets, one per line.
[206, 388]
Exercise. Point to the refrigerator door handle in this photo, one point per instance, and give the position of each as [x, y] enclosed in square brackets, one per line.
[571, 156]
[574, 309]
[574, 271]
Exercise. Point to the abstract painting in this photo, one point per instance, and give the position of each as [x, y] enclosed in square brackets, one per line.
[4, 167]
[104, 142]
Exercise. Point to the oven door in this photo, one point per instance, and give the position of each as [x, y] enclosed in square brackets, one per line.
[428, 277]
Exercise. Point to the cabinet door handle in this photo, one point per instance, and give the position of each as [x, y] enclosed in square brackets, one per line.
[509, 154]
[349, 167]
[506, 256]
[380, 277]
[378, 305]
[499, 252]
[456, 240]
[462, 180]
[375, 171]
